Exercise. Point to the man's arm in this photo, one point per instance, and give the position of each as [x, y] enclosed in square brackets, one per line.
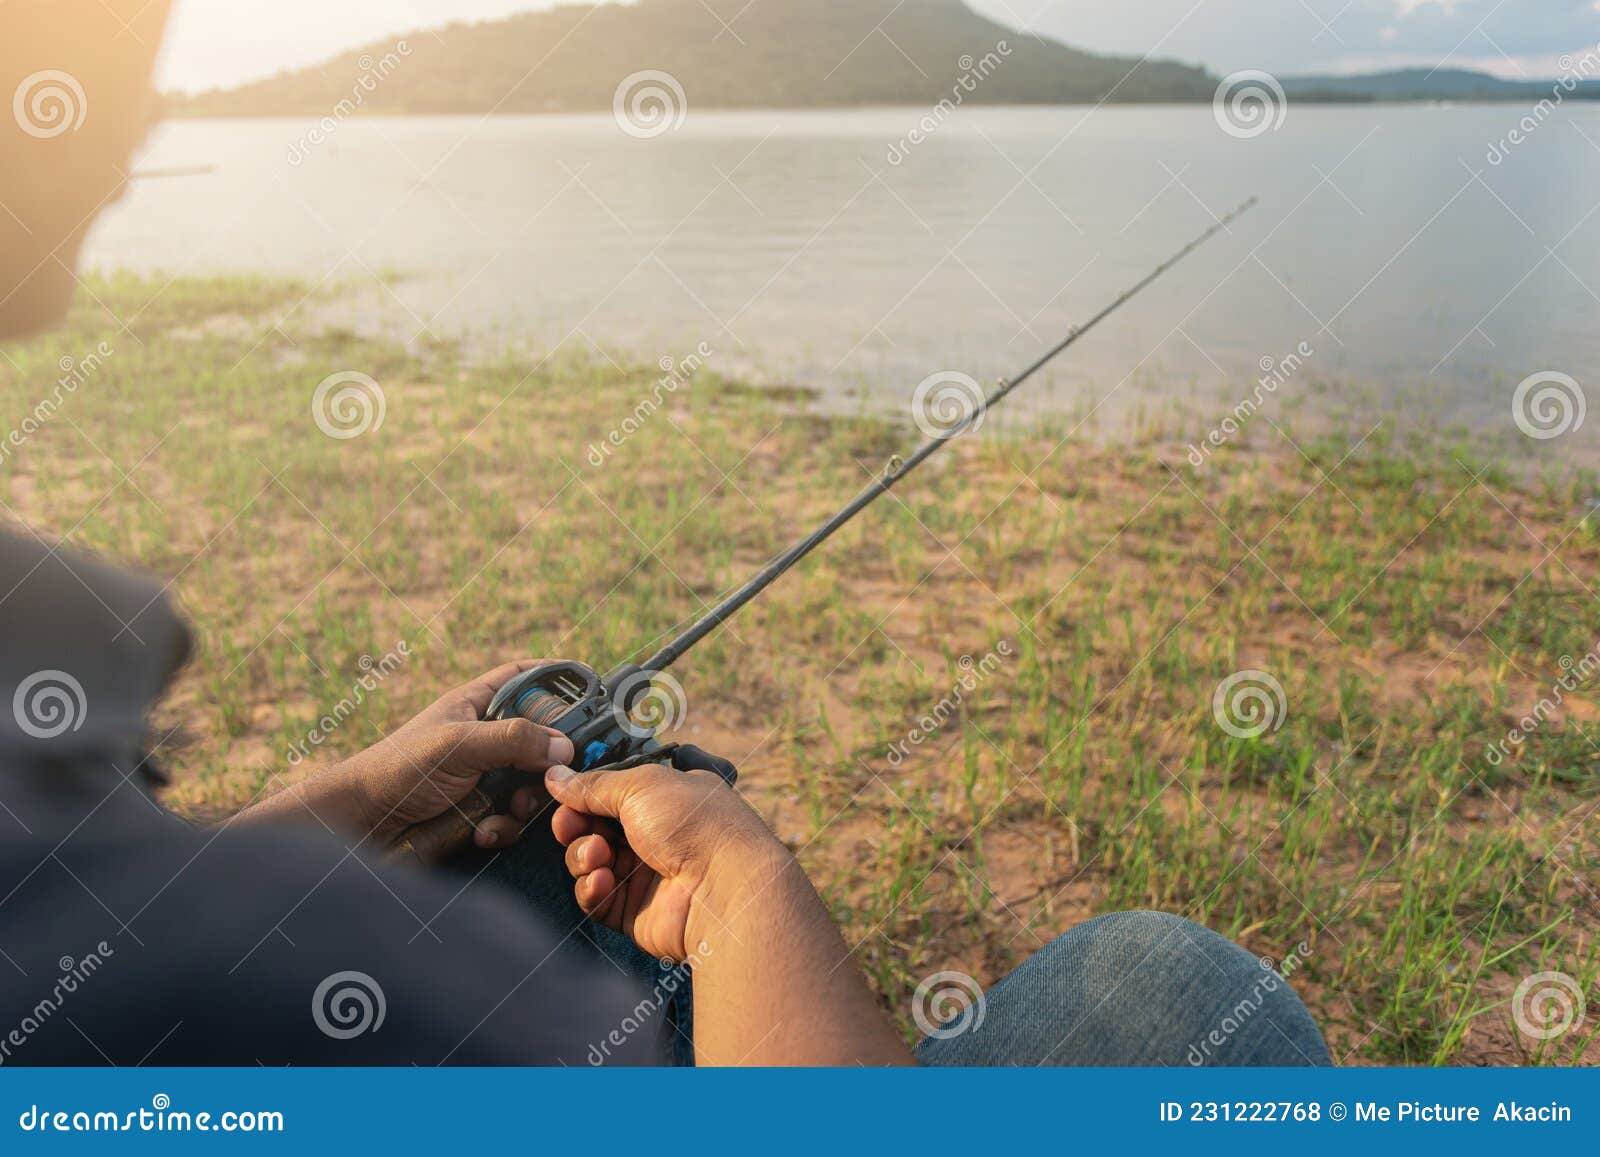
[682, 865]
[782, 988]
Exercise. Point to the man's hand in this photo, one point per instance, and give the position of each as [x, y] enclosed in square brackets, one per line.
[682, 865]
[655, 852]
[427, 767]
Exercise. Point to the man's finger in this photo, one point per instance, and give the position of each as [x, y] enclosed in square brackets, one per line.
[602, 793]
[569, 824]
[508, 743]
[596, 893]
[526, 803]
[589, 854]
[498, 832]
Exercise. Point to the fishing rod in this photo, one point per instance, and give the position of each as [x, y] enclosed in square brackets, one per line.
[613, 721]
[735, 602]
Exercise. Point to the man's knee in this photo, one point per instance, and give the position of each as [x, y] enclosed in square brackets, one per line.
[1154, 988]
[1110, 952]
[1220, 1005]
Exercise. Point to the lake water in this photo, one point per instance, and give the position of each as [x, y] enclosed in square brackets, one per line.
[1386, 241]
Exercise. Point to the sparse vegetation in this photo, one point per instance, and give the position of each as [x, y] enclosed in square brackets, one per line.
[1413, 601]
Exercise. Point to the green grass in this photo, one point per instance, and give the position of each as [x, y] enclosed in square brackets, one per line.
[1413, 602]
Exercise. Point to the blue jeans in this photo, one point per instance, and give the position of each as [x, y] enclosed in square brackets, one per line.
[1126, 990]
[1137, 989]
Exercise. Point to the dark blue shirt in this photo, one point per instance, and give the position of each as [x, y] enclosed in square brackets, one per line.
[130, 936]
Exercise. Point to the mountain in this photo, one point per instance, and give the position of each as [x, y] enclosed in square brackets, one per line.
[771, 54]
[725, 53]
[1420, 84]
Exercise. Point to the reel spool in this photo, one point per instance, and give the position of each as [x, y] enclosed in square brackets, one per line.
[541, 707]
[574, 700]
[546, 695]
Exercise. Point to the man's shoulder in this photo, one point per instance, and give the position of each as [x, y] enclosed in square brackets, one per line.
[89, 646]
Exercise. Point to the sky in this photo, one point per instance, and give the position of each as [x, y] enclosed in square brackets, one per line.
[223, 41]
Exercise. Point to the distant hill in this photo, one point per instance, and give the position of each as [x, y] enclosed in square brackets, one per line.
[1420, 84]
[779, 53]
[767, 54]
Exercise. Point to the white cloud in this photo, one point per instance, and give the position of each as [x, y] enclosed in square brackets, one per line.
[1407, 7]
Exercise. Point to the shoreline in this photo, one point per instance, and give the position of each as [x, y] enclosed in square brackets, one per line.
[605, 112]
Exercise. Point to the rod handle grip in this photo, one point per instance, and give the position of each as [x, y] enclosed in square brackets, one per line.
[442, 837]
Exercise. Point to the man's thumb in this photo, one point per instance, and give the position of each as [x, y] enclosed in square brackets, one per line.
[596, 793]
[605, 793]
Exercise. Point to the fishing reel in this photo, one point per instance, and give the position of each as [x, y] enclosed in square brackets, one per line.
[596, 714]
[613, 724]
[612, 721]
